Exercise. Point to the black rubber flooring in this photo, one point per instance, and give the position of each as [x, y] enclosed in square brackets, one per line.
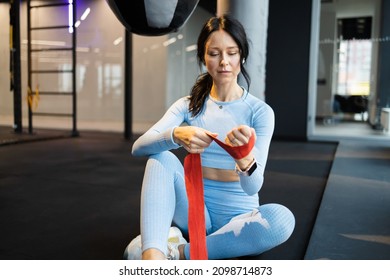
[77, 198]
[353, 222]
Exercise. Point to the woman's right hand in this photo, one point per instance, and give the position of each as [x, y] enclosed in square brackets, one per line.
[193, 139]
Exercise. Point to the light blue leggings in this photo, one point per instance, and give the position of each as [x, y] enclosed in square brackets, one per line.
[236, 225]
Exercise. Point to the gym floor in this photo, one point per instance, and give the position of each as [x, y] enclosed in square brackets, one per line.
[77, 198]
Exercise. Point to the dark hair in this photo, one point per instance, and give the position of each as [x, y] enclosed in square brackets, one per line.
[204, 82]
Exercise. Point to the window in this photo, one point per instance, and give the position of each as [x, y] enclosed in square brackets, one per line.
[354, 56]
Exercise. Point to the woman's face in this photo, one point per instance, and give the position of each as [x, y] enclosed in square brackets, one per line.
[222, 57]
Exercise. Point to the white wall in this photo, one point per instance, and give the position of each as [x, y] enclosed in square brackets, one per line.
[6, 99]
[164, 70]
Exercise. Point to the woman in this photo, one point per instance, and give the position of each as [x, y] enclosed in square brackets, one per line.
[236, 225]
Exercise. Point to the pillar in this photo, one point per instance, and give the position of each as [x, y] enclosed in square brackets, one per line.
[253, 14]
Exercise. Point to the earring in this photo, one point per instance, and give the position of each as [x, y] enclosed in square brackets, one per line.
[243, 60]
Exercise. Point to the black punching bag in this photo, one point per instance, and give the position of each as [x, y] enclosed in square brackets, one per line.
[152, 17]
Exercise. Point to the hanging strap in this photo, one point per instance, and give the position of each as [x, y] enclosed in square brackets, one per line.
[195, 194]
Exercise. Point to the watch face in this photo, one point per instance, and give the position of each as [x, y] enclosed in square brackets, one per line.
[252, 168]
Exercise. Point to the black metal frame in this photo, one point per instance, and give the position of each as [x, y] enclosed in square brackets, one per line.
[31, 71]
[15, 64]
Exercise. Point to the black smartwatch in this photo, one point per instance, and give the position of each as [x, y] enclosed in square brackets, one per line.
[249, 170]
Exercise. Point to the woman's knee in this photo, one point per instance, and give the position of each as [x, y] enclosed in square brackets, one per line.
[165, 160]
[165, 156]
[281, 220]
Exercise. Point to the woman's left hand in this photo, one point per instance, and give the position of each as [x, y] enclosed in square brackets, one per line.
[239, 135]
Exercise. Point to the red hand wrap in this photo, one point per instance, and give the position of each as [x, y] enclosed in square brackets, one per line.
[194, 187]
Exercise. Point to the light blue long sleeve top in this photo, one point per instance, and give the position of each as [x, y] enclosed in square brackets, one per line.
[217, 117]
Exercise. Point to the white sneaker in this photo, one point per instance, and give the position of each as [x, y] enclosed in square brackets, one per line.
[175, 239]
[133, 251]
